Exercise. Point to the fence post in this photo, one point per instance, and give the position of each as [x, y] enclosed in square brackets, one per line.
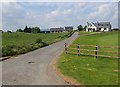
[78, 49]
[65, 48]
[96, 50]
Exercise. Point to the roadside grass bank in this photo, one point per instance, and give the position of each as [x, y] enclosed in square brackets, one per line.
[19, 43]
[88, 70]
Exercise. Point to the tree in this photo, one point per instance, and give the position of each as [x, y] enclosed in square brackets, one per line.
[19, 30]
[26, 29]
[85, 27]
[32, 30]
[80, 28]
[29, 30]
[35, 30]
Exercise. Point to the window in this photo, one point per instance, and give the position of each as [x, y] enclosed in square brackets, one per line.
[104, 28]
[93, 29]
[99, 28]
[89, 28]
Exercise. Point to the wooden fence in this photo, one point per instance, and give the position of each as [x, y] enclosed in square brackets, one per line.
[78, 48]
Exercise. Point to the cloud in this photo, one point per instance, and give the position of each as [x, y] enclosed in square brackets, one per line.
[103, 10]
[5, 1]
[48, 14]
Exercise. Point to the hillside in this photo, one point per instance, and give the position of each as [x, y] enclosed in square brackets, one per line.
[87, 70]
[17, 43]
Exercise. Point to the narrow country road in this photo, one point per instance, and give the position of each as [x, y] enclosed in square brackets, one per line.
[34, 67]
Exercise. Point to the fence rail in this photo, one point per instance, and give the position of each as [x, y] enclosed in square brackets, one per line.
[77, 48]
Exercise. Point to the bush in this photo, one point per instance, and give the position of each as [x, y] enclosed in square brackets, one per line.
[19, 30]
[39, 40]
[9, 50]
[9, 31]
[115, 29]
[13, 50]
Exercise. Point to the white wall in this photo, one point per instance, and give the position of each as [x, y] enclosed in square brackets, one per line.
[102, 29]
[93, 27]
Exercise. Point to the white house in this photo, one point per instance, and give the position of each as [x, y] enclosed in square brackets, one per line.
[99, 26]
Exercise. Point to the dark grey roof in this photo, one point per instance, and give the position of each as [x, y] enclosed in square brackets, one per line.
[102, 24]
[57, 28]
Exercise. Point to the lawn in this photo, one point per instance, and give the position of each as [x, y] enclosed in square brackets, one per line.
[88, 70]
[17, 43]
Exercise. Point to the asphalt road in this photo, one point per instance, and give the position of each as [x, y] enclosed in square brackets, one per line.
[34, 67]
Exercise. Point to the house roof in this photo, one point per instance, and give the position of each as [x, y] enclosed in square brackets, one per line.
[57, 28]
[102, 24]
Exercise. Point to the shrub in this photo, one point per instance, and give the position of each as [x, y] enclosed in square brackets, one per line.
[115, 29]
[19, 30]
[44, 44]
[39, 40]
[8, 50]
[9, 31]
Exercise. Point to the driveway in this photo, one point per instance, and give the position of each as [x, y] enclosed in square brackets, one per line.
[34, 68]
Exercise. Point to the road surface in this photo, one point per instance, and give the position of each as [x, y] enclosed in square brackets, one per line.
[34, 68]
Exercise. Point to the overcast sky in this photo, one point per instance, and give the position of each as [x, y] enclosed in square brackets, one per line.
[17, 15]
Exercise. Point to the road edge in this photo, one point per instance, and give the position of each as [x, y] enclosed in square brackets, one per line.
[69, 80]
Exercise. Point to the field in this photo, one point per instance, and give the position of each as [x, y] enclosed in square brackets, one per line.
[18, 43]
[88, 70]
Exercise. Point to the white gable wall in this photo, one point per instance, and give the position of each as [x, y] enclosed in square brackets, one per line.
[91, 28]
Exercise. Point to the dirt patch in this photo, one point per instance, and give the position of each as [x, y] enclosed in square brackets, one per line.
[116, 70]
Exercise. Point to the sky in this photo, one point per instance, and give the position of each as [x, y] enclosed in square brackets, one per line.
[16, 15]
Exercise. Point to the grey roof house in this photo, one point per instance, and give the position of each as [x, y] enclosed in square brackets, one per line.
[98, 26]
[57, 30]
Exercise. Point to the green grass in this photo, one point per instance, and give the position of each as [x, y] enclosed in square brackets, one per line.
[28, 38]
[16, 43]
[88, 70]
[86, 33]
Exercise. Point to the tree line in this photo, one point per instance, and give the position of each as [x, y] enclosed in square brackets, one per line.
[29, 30]
[37, 29]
